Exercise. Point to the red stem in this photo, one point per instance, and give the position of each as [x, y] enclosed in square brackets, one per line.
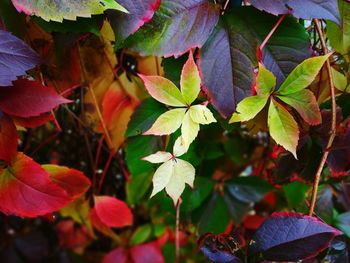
[271, 32]
[105, 170]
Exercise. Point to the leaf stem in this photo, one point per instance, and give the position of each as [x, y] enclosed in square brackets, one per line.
[332, 132]
[177, 232]
[271, 32]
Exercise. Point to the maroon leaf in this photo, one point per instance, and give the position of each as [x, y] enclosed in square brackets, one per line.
[16, 57]
[306, 9]
[283, 237]
[140, 12]
[8, 138]
[228, 58]
[177, 26]
[119, 255]
[29, 98]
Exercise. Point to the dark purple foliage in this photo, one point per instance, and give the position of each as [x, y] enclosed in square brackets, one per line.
[16, 57]
[140, 12]
[291, 237]
[220, 248]
[306, 9]
[228, 58]
[176, 27]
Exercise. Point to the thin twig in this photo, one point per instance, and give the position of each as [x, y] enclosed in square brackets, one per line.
[177, 232]
[271, 32]
[332, 132]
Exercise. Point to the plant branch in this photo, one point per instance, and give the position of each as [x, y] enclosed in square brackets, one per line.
[332, 132]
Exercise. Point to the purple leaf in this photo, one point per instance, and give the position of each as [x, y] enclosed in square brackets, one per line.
[306, 9]
[283, 237]
[177, 26]
[16, 57]
[228, 58]
[140, 12]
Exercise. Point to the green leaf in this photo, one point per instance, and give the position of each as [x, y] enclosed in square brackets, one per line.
[168, 122]
[305, 104]
[144, 116]
[283, 128]
[340, 81]
[141, 235]
[342, 222]
[163, 90]
[138, 186]
[201, 114]
[339, 36]
[265, 81]
[295, 193]
[81, 25]
[139, 147]
[189, 129]
[302, 75]
[248, 108]
[65, 9]
[190, 80]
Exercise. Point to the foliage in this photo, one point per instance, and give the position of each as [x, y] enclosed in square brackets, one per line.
[108, 109]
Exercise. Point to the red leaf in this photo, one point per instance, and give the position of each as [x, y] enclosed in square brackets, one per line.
[28, 98]
[149, 252]
[8, 138]
[73, 181]
[26, 189]
[113, 212]
[33, 122]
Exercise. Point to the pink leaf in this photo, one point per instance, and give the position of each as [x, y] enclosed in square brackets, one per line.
[149, 252]
[28, 98]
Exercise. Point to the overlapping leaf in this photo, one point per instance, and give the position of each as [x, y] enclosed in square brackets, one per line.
[140, 12]
[16, 57]
[177, 26]
[228, 58]
[283, 236]
[26, 189]
[65, 9]
[306, 9]
[28, 98]
[8, 138]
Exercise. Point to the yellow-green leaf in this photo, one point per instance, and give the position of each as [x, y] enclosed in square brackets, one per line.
[163, 90]
[283, 128]
[167, 123]
[305, 104]
[201, 114]
[158, 157]
[340, 81]
[248, 108]
[183, 173]
[190, 80]
[65, 9]
[302, 76]
[265, 81]
[180, 147]
[162, 176]
[189, 129]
